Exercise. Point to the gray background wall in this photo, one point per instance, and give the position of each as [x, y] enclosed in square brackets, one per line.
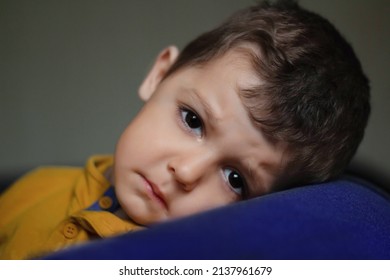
[70, 70]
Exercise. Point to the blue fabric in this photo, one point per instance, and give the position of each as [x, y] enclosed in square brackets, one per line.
[343, 219]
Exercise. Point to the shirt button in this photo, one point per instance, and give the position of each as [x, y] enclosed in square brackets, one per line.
[70, 230]
[105, 202]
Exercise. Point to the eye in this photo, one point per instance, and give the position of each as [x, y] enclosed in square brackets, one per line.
[192, 121]
[235, 181]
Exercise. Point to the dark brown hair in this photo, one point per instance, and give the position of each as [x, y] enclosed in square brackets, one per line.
[315, 96]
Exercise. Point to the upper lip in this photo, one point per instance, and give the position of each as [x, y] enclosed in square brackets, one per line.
[157, 192]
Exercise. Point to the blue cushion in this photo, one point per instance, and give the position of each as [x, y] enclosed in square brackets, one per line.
[344, 219]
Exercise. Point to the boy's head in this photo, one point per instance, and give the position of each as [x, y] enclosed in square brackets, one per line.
[272, 98]
[313, 93]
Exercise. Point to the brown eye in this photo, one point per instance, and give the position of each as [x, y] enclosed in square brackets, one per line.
[235, 180]
[192, 121]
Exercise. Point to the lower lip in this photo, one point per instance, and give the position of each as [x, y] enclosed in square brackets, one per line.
[152, 194]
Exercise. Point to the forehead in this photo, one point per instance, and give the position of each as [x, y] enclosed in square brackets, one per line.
[235, 68]
[223, 78]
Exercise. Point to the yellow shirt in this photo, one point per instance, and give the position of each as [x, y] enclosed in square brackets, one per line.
[46, 210]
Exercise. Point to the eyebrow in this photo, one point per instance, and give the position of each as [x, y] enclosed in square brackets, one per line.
[206, 106]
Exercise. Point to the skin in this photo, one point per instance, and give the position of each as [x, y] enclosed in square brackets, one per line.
[192, 147]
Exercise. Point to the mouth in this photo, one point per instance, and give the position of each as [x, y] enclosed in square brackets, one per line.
[155, 192]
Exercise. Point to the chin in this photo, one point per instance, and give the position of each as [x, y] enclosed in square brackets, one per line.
[143, 220]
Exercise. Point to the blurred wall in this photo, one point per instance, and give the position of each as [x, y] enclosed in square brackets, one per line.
[70, 70]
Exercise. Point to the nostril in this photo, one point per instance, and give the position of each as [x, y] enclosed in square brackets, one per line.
[171, 169]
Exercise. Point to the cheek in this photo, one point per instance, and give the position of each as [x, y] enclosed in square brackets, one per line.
[148, 137]
[127, 144]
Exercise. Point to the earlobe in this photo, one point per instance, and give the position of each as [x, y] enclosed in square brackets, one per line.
[160, 67]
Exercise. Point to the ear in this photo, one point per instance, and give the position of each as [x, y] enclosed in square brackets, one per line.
[161, 66]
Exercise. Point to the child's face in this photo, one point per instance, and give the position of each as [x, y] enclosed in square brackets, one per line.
[193, 146]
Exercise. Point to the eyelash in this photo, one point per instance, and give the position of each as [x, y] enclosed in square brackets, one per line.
[182, 109]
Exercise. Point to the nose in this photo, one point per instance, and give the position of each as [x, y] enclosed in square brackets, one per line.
[189, 169]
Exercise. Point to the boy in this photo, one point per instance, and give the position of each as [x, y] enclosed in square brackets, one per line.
[271, 99]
